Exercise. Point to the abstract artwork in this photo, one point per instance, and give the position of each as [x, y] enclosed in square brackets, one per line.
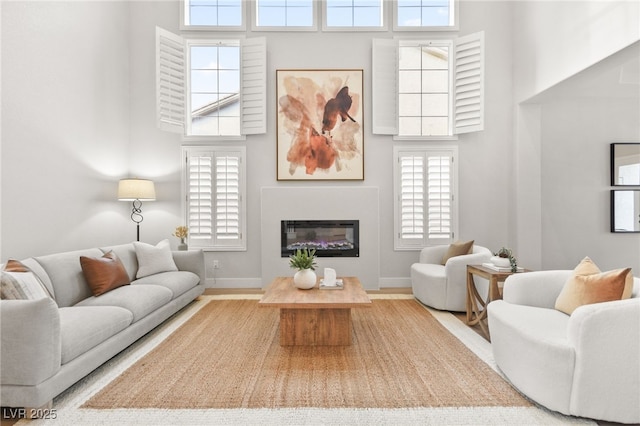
[319, 125]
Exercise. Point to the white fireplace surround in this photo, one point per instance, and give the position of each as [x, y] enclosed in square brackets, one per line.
[322, 203]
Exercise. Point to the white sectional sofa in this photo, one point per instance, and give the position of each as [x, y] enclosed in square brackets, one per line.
[48, 344]
[585, 364]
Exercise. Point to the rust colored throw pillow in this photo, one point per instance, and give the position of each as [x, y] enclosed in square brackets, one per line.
[457, 249]
[104, 273]
[589, 285]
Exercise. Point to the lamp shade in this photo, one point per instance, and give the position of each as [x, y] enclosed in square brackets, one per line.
[136, 189]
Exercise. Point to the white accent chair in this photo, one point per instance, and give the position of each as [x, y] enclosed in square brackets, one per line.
[441, 286]
[585, 364]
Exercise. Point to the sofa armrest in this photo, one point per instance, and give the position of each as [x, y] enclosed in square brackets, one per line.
[31, 346]
[191, 260]
[456, 267]
[433, 254]
[607, 348]
[539, 288]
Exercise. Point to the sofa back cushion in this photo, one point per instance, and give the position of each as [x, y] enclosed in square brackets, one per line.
[127, 255]
[65, 274]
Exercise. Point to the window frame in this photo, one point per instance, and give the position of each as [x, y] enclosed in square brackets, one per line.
[383, 19]
[172, 85]
[450, 89]
[455, 4]
[468, 81]
[190, 42]
[188, 27]
[312, 28]
[217, 244]
[399, 151]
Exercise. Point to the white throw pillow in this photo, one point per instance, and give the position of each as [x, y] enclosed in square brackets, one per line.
[154, 259]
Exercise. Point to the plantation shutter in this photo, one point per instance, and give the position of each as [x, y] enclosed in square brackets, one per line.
[384, 82]
[227, 196]
[425, 197]
[215, 207]
[439, 198]
[469, 84]
[412, 198]
[254, 89]
[170, 81]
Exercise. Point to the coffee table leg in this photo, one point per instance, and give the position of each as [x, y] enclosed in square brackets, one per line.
[315, 327]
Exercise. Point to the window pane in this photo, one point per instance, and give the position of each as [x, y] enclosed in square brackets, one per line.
[435, 81]
[435, 57]
[425, 13]
[410, 126]
[409, 82]
[214, 89]
[435, 126]
[204, 81]
[410, 57]
[213, 13]
[435, 104]
[409, 105]
[354, 13]
[284, 13]
[339, 17]
[367, 17]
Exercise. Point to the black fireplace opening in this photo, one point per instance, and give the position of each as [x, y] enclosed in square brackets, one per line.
[330, 238]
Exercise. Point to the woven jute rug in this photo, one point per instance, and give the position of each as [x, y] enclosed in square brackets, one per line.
[227, 355]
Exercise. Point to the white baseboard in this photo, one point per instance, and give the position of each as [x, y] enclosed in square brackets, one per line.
[234, 282]
[394, 282]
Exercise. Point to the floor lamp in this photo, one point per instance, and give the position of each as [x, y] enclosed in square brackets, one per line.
[137, 191]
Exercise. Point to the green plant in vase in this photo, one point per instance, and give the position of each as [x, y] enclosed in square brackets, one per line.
[505, 258]
[304, 260]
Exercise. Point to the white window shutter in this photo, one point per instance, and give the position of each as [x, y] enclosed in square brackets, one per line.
[170, 81]
[227, 198]
[412, 198]
[254, 86]
[439, 195]
[384, 82]
[469, 84]
[200, 168]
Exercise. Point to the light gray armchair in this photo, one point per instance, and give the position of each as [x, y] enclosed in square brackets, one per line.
[440, 286]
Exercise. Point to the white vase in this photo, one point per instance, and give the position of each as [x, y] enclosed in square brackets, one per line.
[305, 279]
[501, 262]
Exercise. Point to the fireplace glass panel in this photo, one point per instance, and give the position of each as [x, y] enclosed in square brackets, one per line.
[330, 238]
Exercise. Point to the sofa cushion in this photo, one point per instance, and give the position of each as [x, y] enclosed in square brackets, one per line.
[139, 300]
[588, 285]
[154, 259]
[66, 275]
[104, 273]
[17, 281]
[83, 328]
[458, 248]
[179, 282]
[127, 255]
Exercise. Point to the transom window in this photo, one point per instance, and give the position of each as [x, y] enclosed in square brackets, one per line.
[213, 14]
[284, 14]
[425, 14]
[343, 14]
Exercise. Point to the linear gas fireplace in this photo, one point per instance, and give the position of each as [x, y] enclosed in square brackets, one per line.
[330, 238]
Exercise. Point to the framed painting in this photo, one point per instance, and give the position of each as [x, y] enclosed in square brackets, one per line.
[319, 125]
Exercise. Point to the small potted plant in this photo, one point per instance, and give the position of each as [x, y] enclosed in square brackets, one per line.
[504, 258]
[304, 260]
[181, 232]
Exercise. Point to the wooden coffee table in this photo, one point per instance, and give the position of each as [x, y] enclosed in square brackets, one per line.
[315, 317]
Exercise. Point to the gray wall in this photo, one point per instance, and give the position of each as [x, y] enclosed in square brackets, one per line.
[78, 108]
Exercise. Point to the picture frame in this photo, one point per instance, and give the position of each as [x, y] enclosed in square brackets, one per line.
[625, 164]
[319, 125]
[625, 210]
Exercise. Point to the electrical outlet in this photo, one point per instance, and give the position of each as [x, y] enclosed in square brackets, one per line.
[216, 264]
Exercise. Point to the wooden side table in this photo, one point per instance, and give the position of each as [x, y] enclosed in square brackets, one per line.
[475, 300]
